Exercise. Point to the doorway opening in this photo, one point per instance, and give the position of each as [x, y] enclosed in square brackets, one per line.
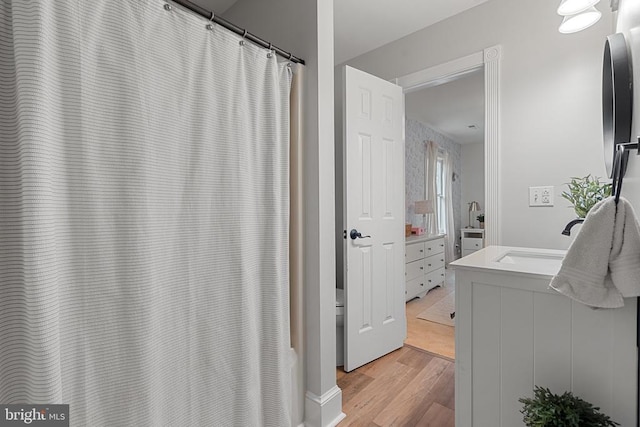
[449, 115]
[487, 63]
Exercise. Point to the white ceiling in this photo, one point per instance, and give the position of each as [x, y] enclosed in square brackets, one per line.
[451, 108]
[363, 25]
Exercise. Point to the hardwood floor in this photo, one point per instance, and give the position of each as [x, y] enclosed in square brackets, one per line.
[409, 387]
[414, 385]
[430, 336]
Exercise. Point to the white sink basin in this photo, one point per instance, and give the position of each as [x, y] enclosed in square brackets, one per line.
[532, 259]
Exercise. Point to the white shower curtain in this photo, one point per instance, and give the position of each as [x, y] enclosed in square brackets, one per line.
[144, 229]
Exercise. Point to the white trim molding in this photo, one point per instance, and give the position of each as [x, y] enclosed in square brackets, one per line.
[319, 407]
[492, 57]
[441, 73]
[489, 61]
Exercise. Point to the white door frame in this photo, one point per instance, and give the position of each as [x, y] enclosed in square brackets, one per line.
[489, 60]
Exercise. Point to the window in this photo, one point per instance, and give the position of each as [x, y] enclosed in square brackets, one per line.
[441, 212]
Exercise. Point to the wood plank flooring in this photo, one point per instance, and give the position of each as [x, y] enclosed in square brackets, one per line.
[430, 336]
[409, 387]
[414, 385]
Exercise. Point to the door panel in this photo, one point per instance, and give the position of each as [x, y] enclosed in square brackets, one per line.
[375, 322]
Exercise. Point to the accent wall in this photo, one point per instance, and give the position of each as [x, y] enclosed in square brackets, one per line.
[416, 136]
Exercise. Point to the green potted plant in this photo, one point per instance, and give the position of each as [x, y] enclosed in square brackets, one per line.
[480, 219]
[546, 409]
[584, 192]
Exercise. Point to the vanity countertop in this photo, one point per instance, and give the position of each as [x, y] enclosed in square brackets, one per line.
[423, 238]
[543, 263]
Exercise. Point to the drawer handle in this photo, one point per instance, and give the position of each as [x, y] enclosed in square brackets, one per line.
[429, 265]
[442, 246]
[421, 284]
[429, 248]
[421, 250]
[441, 260]
[421, 268]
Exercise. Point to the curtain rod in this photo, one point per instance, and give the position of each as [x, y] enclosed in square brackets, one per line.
[240, 31]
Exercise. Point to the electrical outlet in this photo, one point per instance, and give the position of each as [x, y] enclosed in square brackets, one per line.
[541, 196]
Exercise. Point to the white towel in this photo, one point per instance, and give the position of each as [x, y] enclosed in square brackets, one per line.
[602, 265]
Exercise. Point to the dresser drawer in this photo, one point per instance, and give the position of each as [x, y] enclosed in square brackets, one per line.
[414, 252]
[434, 262]
[416, 287]
[435, 278]
[472, 244]
[434, 247]
[414, 269]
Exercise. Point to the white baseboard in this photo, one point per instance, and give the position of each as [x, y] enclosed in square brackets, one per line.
[325, 410]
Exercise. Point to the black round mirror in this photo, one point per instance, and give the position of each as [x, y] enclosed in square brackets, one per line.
[617, 95]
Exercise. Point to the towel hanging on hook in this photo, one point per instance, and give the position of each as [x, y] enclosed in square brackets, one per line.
[620, 160]
[618, 171]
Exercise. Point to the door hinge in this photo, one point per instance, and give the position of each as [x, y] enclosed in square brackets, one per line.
[344, 234]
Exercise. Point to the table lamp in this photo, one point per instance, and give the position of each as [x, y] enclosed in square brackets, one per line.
[473, 206]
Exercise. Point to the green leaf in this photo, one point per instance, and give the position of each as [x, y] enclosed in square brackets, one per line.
[585, 192]
[546, 409]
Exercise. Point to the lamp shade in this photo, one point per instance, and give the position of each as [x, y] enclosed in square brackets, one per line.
[571, 7]
[423, 207]
[584, 19]
[474, 206]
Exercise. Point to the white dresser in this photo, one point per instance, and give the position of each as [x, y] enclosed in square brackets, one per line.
[424, 264]
[472, 240]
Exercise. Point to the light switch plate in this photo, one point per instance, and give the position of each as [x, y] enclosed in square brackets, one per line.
[541, 196]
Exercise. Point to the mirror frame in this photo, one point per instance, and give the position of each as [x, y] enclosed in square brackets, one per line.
[617, 97]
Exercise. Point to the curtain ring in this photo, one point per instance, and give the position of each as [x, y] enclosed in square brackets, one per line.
[210, 24]
[167, 7]
[243, 36]
[270, 54]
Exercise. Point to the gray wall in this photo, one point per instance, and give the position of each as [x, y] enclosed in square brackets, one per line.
[472, 180]
[550, 122]
[629, 24]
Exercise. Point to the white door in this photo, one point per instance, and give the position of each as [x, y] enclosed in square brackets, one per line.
[375, 321]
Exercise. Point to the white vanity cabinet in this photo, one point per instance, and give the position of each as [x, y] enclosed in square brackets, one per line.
[424, 264]
[513, 332]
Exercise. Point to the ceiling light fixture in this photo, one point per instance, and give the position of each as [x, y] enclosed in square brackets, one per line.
[585, 19]
[573, 7]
